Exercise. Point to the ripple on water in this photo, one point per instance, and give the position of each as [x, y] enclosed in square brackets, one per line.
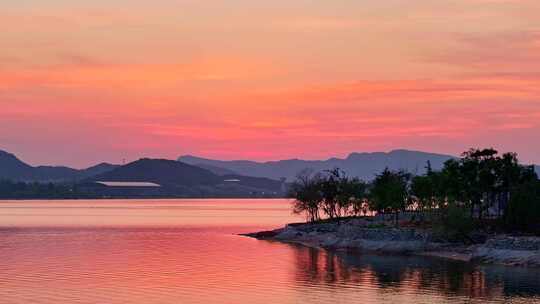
[154, 259]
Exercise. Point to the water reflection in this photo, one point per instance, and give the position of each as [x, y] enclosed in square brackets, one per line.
[188, 251]
[412, 274]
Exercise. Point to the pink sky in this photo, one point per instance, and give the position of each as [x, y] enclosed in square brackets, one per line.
[85, 82]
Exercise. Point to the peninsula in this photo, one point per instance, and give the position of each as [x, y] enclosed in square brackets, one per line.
[483, 207]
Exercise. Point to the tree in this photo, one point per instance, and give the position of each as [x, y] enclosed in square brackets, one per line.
[481, 183]
[424, 193]
[332, 194]
[330, 189]
[355, 192]
[389, 192]
[306, 191]
[523, 211]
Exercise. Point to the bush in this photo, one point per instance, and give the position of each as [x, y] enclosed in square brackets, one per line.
[523, 212]
[453, 224]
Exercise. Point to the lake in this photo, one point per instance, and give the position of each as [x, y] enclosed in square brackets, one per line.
[188, 251]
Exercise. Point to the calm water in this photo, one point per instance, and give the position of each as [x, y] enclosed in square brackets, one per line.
[186, 251]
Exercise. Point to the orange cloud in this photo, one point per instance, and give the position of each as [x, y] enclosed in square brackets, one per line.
[85, 74]
[92, 81]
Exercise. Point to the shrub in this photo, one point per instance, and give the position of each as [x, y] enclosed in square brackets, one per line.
[453, 224]
[523, 212]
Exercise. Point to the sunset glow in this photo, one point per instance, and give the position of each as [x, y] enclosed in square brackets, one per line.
[82, 82]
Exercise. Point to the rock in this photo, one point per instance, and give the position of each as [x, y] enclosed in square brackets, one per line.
[509, 250]
[352, 234]
[289, 234]
[506, 257]
[263, 234]
[514, 243]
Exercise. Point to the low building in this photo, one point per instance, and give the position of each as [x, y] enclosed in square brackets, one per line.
[122, 189]
[128, 184]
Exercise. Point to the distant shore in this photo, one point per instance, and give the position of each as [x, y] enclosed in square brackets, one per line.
[101, 198]
[362, 236]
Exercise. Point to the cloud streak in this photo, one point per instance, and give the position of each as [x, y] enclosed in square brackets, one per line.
[91, 81]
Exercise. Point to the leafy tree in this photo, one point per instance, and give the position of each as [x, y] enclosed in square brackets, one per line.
[524, 208]
[330, 189]
[306, 191]
[332, 194]
[481, 184]
[483, 180]
[389, 192]
[424, 193]
[354, 191]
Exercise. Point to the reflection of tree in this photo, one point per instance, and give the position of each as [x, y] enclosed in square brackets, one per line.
[412, 274]
[316, 266]
[515, 280]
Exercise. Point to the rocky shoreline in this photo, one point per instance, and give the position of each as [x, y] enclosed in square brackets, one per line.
[360, 235]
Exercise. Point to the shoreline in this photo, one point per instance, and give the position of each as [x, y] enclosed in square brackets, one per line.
[353, 235]
[449, 255]
[137, 198]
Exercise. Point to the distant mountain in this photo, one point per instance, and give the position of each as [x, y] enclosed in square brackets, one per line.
[14, 169]
[97, 169]
[177, 178]
[217, 170]
[362, 165]
[160, 171]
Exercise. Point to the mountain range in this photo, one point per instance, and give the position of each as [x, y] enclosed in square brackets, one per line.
[362, 165]
[189, 169]
[13, 168]
[175, 179]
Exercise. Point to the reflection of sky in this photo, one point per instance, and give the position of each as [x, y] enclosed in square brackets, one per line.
[263, 79]
[188, 251]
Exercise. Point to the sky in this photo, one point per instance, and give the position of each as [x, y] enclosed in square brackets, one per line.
[83, 82]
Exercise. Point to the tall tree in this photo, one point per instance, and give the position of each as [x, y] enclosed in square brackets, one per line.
[389, 192]
[306, 191]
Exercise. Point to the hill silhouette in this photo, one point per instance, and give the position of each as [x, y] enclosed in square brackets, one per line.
[177, 178]
[160, 171]
[13, 168]
[362, 165]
